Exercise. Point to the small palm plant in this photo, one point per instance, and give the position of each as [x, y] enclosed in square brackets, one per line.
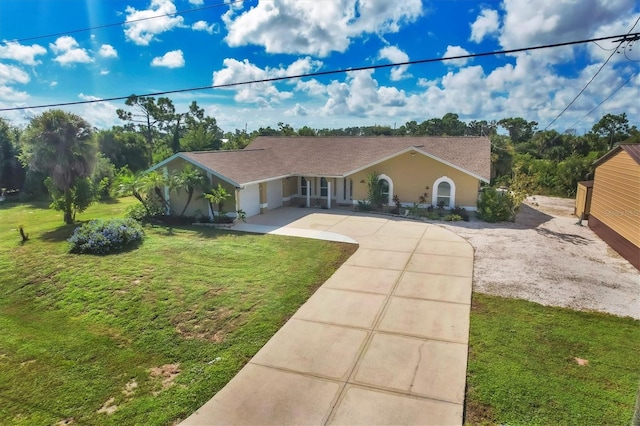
[216, 197]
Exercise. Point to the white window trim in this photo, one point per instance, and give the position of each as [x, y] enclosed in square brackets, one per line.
[452, 193]
[390, 182]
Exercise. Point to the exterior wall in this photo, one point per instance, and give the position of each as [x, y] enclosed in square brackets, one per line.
[198, 205]
[411, 173]
[289, 190]
[616, 196]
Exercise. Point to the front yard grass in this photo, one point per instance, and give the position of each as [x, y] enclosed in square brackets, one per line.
[149, 334]
[523, 369]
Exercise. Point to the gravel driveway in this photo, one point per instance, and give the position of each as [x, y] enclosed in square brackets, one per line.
[546, 257]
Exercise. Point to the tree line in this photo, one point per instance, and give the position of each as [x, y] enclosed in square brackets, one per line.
[57, 148]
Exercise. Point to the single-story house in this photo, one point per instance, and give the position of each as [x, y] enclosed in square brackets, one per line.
[614, 213]
[327, 171]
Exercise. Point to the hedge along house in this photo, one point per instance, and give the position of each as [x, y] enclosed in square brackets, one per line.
[614, 213]
[328, 171]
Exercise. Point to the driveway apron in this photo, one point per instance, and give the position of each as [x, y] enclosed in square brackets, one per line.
[383, 341]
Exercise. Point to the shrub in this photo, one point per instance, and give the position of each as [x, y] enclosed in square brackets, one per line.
[460, 211]
[365, 206]
[140, 213]
[106, 236]
[498, 206]
[433, 215]
[452, 218]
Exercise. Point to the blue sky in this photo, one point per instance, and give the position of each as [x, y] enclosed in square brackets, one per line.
[245, 40]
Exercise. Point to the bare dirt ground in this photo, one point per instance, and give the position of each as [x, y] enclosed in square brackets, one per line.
[546, 257]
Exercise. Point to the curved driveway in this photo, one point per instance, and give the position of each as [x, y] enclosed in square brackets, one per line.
[383, 341]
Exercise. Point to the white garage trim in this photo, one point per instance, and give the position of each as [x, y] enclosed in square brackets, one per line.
[250, 199]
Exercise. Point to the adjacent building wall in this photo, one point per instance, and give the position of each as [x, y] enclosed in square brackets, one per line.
[615, 205]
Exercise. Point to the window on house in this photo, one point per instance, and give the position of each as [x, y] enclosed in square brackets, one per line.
[303, 186]
[444, 194]
[323, 187]
[384, 189]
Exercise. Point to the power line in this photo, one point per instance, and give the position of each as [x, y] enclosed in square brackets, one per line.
[321, 73]
[608, 97]
[622, 40]
[117, 24]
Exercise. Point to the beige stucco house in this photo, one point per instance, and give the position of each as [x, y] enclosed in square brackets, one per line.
[329, 171]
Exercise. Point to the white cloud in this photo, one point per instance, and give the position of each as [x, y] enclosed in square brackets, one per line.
[316, 27]
[311, 87]
[297, 111]
[485, 24]
[172, 59]
[394, 55]
[107, 51]
[24, 54]
[9, 94]
[104, 72]
[453, 51]
[12, 74]
[197, 2]
[204, 26]
[99, 114]
[143, 32]
[53, 84]
[551, 21]
[263, 94]
[360, 96]
[69, 52]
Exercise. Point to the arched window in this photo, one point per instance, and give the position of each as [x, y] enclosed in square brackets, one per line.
[387, 188]
[323, 187]
[303, 186]
[444, 193]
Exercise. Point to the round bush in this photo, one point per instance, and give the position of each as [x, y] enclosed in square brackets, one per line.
[106, 236]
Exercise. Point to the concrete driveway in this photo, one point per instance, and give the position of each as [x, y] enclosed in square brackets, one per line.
[383, 341]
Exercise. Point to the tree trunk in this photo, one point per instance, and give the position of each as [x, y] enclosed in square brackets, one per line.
[68, 201]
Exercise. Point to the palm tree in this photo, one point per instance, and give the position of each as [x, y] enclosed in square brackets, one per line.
[216, 197]
[188, 179]
[61, 145]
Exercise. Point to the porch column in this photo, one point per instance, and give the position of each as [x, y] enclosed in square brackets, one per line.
[328, 194]
[167, 195]
[308, 193]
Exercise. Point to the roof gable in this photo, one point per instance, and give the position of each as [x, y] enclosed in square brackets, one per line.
[633, 149]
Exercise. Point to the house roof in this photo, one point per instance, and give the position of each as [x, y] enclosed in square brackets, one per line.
[633, 149]
[268, 158]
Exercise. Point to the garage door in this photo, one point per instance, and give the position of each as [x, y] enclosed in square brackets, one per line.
[274, 194]
[250, 200]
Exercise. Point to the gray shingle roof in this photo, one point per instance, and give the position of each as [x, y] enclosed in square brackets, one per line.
[270, 157]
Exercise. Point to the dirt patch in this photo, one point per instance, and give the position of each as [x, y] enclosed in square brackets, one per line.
[547, 257]
[212, 325]
[167, 373]
[130, 388]
[108, 407]
[476, 413]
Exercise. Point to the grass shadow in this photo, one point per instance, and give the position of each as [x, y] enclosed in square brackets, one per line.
[570, 238]
[61, 233]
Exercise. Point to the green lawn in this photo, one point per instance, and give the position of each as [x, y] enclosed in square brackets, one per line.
[79, 330]
[522, 368]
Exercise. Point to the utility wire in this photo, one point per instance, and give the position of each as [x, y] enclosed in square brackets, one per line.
[623, 39]
[600, 104]
[321, 73]
[117, 24]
